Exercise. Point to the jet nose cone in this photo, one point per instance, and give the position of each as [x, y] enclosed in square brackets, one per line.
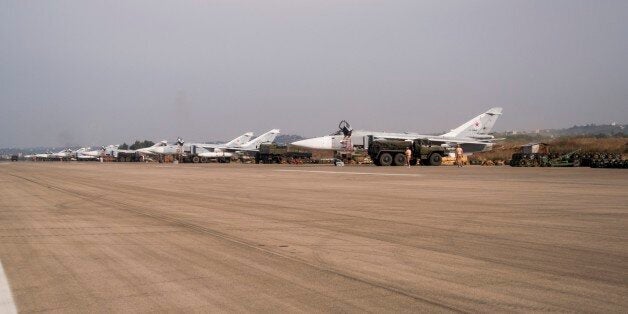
[314, 143]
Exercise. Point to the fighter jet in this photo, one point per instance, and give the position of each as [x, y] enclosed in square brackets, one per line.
[472, 136]
[88, 154]
[236, 142]
[115, 151]
[40, 156]
[65, 154]
[163, 148]
[239, 146]
[253, 145]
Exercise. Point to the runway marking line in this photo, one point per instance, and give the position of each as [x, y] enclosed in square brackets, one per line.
[6, 298]
[356, 173]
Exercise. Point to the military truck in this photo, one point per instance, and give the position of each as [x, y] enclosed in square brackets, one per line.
[392, 152]
[274, 153]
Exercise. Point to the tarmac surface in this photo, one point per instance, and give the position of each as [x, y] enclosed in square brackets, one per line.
[92, 237]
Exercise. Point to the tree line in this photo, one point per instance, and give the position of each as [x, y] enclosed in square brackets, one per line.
[137, 145]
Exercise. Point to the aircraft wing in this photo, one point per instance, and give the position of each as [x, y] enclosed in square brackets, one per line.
[438, 139]
[209, 146]
[432, 138]
[238, 149]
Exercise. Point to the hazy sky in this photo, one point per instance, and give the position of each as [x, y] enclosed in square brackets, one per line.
[92, 72]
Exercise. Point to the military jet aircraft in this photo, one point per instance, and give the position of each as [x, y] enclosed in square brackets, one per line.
[235, 146]
[236, 142]
[87, 154]
[40, 156]
[473, 136]
[64, 154]
[222, 152]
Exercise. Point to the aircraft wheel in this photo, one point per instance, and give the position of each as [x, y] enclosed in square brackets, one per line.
[385, 159]
[400, 160]
[435, 159]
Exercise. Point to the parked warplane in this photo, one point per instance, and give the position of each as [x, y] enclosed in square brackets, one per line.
[203, 150]
[236, 142]
[87, 154]
[254, 144]
[64, 154]
[239, 146]
[163, 148]
[110, 150]
[39, 156]
[473, 136]
[222, 152]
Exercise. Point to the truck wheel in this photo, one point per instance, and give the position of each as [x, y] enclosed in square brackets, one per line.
[400, 160]
[204, 160]
[385, 159]
[435, 159]
[195, 159]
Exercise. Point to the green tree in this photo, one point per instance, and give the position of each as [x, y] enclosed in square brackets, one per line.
[138, 144]
[124, 146]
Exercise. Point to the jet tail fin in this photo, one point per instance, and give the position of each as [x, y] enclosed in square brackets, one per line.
[478, 127]
[267, 137]
[240, 140]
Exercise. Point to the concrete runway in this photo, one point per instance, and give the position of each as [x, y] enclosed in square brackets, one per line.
[91, 237]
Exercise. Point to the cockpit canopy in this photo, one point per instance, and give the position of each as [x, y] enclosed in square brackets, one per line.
[344, 128]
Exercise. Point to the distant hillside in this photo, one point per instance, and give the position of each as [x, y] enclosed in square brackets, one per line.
[604, 130]
[284, 139]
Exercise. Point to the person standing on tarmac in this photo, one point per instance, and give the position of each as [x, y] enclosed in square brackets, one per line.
[408, 156]
[459, 155]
